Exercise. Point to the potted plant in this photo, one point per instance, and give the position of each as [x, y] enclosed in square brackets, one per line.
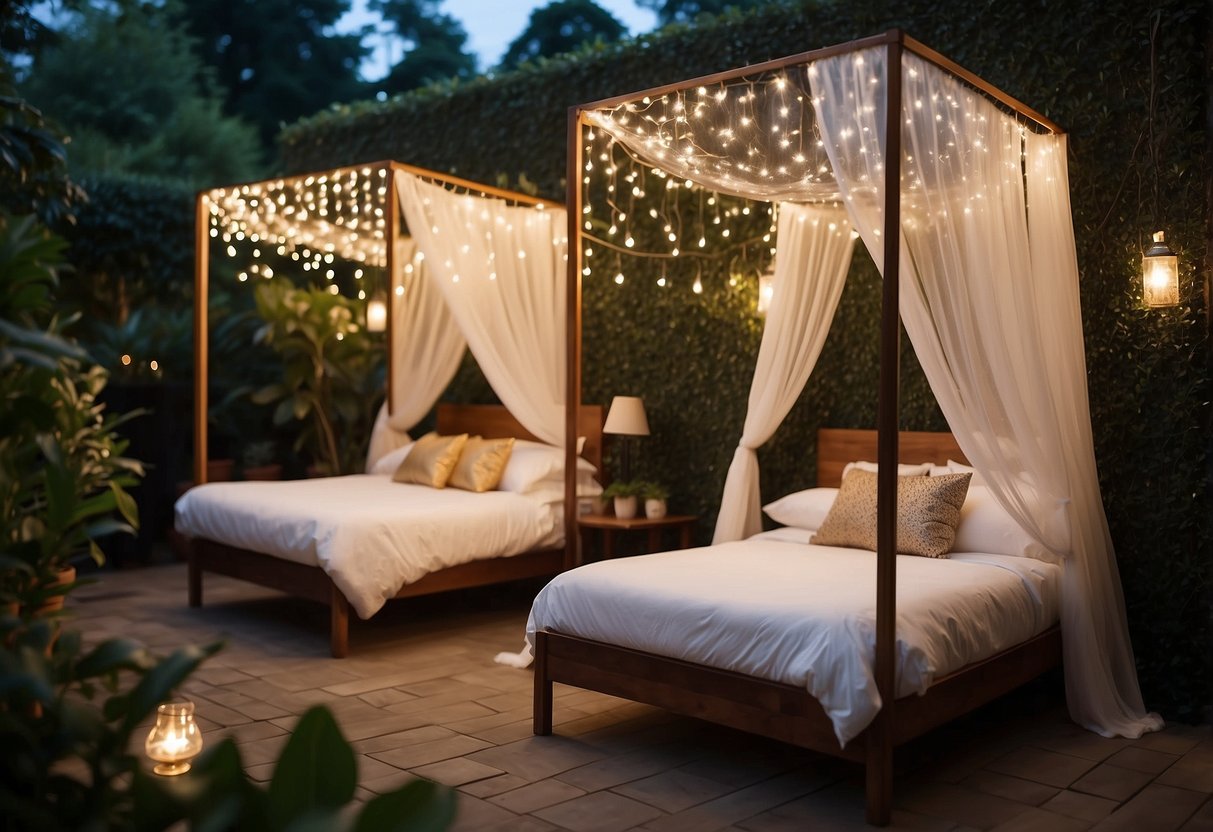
[655, 497]
[332, 372]
[63, 476]
[625, 495]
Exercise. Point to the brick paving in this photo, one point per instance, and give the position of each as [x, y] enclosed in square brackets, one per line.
[420, 696]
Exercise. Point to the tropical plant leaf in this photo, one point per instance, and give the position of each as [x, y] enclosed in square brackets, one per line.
[419, 806]
[316, 770]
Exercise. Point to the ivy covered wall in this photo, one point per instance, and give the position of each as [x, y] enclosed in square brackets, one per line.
[1086, 64]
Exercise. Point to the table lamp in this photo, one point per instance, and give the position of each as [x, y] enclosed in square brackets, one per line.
[626, 418]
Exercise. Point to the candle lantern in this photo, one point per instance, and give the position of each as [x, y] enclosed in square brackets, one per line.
[1160, 274]
[175, 739]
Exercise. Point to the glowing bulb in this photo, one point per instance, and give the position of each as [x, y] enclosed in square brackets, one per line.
[697, 286]
[619, 278]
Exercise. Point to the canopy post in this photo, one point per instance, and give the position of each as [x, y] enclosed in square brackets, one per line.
[201, 335]
[880, 732]
[389, 278]
[572, 396]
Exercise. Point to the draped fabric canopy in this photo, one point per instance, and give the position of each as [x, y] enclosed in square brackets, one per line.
[815, 249]
[500, 268]
[426, 351]
[482, 273]
[989, 296]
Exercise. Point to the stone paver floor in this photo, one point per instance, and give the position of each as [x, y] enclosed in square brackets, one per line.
[420, 696]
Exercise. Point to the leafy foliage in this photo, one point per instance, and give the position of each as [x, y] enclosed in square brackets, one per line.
[127, 83]
[332, 374]
[1087, 65]
[63, 476]
[562, 26]
[33, 161]
[72, 762]
[67, 761]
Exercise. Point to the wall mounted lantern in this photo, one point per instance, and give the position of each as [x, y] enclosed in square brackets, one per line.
[1160, 274]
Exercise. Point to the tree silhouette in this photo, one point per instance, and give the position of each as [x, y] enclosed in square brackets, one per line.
[683, 11]
[562, 26]
[436, 45]
[276, 60]
[126, 83]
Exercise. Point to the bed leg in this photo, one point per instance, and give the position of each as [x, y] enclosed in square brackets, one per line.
[879, 771]
[195, 575]
[339, 624]
[543, 687]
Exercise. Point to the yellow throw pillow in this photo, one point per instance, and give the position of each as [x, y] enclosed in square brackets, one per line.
[928, 512]
[481, 464]
[432, 460]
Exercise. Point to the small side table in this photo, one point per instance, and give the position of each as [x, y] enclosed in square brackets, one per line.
[609, 525]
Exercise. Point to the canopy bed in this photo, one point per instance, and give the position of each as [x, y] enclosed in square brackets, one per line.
[481, 270]
[983, 274]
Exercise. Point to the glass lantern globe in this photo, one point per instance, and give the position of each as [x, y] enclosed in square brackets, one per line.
[1160, 274]
[175, 739]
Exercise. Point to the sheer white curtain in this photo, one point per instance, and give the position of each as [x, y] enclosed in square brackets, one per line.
[501, 270]
[814, 255]
[991, 307]
[427, 349]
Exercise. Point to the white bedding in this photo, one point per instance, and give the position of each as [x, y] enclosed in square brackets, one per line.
[371, 535]
[779, 609]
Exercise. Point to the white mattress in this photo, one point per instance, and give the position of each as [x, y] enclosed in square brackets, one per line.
[779, 609]
[371, 535]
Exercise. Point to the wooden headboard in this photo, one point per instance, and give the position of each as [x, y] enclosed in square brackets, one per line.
[493, 421]
[838, 446]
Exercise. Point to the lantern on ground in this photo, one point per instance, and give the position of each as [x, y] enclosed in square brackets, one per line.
[175, 739]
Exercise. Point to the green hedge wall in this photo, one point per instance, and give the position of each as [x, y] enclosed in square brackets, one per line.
[1087, 65]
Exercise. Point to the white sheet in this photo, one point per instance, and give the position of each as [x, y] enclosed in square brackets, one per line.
[779, 609]
[371, 535]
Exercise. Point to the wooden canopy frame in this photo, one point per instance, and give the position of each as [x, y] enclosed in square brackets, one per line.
[884, 733]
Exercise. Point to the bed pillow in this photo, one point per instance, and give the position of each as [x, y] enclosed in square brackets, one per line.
[802, 509]
[481, 464]
[431, 460]
[903, 469]
[985, 526]
[534, 466]
[954, 467]
[389, 462]
[928, 512]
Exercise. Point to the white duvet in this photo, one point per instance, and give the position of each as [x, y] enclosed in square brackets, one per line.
[779, 609]
[371, 535]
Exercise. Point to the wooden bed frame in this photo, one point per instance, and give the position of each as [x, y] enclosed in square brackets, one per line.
[781, 711]
[490, 421]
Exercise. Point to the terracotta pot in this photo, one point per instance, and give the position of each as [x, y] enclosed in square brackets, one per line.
[263, 473]
[625, 507]
[654, 509]
[63, 577]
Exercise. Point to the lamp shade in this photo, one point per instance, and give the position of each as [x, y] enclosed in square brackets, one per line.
[627, 417]
[1160, 274]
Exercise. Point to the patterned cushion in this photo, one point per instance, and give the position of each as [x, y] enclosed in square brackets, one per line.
[432, 460]
[481, 464]
[928, 512]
